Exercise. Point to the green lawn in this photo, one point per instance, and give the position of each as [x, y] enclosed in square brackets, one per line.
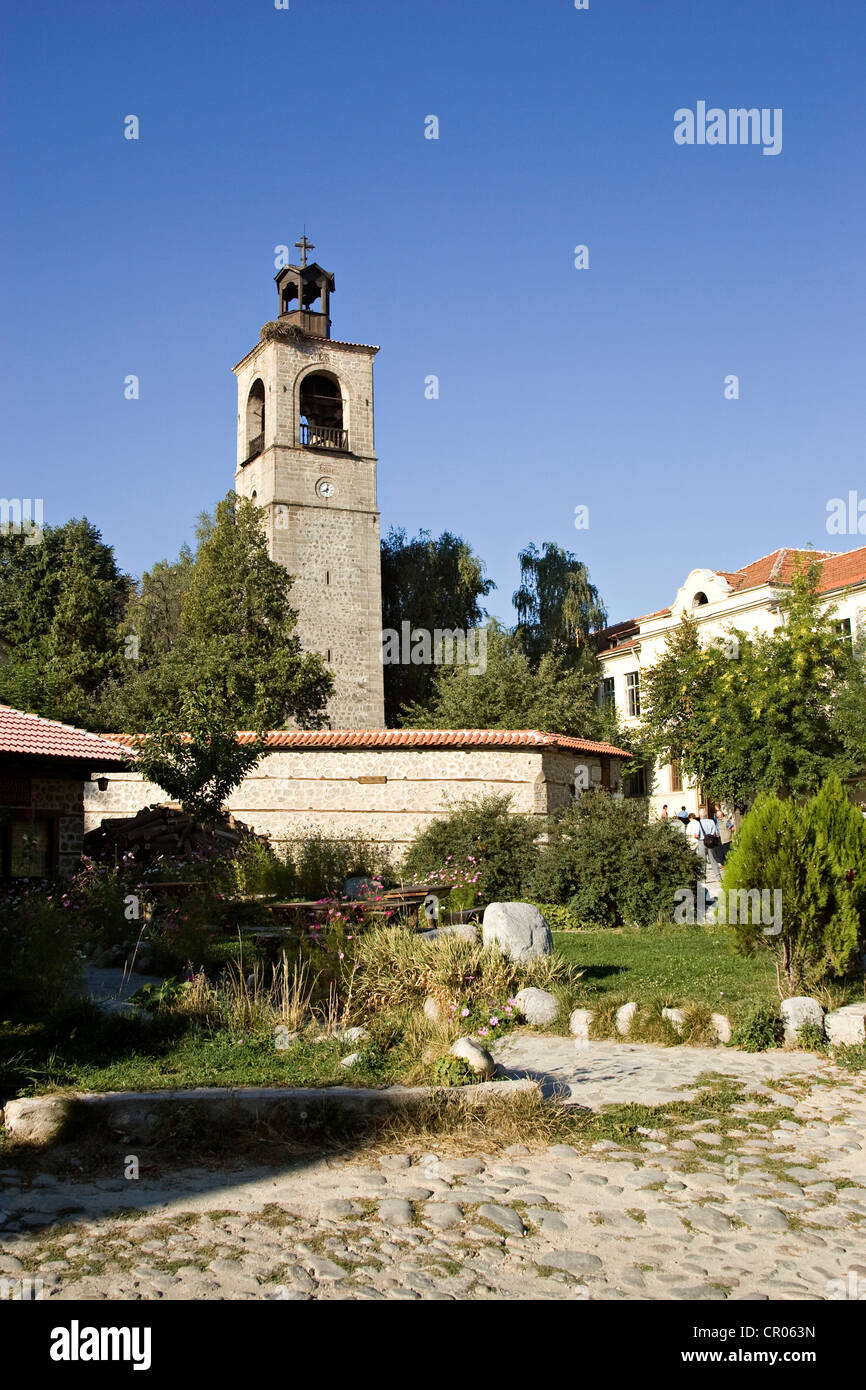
[686, 964]
[83, 1050]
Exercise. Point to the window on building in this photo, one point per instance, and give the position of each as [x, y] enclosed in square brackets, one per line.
[606, 691]
[28, 848]
[636, 784]
[842, 628]
[632, 690]
[676, 775]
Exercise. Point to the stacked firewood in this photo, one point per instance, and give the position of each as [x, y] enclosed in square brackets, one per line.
[158, 831]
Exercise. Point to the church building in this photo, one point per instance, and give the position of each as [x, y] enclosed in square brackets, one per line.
[306, 456]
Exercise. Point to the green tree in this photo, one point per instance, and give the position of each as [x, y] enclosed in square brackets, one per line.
[753, 714]
[430, 584]
[782, 848]
[202, 762]
[61, 602]
[850, 712]
[557, 605]
[221, 628]
[511, 693]
[151, 631]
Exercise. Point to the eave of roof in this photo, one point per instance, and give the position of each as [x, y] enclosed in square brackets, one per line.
[416, 738]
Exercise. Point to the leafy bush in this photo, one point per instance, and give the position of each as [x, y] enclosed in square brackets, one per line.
[478, 836]
[811, 1038]
[257, 870]
[108, 900]
[812, 854]
[452, 1071]
[611, 864]
[40, 947]
[560, 917]
[760, 1029]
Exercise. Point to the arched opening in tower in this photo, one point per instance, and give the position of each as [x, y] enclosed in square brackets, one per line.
[255, 420]
[321, 411]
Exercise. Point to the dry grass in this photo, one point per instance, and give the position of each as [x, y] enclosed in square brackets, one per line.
[397, 967]
[252, 1000]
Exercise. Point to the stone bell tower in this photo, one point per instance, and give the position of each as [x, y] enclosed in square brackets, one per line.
[306, 456]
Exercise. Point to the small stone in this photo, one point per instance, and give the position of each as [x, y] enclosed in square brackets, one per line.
[575, 1262]
[846, 1026]
[798, 1011]
[477, 1056]
[442, 1215]
[355, 1034]
[351, 1061]
[432, 1009]
[395, 1212]
[721, 1027]
[624, 1017]
[707, 1219]
[579, 1025]
[503, 1217]
[761, 1216]
[676, 1018]
[538, 1006]
[337, 1207]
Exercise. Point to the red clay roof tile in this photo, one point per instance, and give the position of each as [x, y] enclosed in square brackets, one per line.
[418, 738]
[30, 734]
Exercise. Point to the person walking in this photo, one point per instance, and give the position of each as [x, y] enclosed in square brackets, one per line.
[726, 835]
[709, 840]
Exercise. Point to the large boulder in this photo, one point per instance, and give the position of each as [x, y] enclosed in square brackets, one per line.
[798, 1011]
[477, 1056]
[38, 1120]
[537, 1006]
[847, 1025]
[518, 930]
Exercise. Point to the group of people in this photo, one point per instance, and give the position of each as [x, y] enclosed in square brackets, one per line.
[711, 836]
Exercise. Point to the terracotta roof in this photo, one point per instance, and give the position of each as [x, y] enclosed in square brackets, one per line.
[838, 570]
[30, 734]
[614, 648]
[418, 738]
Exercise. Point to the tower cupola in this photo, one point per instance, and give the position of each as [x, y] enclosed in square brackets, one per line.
[305, 293]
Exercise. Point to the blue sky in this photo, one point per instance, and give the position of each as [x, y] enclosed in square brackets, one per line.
[558, 387]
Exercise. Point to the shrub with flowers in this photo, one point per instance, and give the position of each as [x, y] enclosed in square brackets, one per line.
[462, 879]
[485, 1018]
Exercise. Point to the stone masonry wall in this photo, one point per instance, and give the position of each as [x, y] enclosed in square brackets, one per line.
[386, 794]
[63, 796]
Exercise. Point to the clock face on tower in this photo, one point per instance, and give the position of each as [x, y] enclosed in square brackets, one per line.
[325, 488]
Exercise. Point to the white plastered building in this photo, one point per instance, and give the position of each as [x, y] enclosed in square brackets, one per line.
[749, 600]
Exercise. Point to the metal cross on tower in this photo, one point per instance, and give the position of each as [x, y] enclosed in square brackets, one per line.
[304, 246]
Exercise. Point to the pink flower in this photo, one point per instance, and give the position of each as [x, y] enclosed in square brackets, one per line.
[482, 1032]
[464, 1013]
[508, 1009]
[494, 1020]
